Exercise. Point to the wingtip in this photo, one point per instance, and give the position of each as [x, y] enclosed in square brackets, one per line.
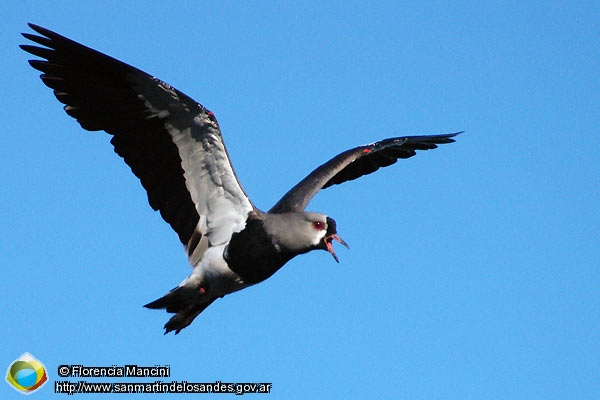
[34, 27]
[452, 135]
[39, 29]
[449, 135]
[46, 35]
[443, 138]
[28, 36]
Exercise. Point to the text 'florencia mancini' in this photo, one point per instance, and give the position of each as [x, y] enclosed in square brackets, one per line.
[114, 371]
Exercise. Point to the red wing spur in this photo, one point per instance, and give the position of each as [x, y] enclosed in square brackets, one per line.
[174, 146]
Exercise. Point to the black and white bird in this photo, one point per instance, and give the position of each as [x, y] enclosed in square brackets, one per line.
[174, 146]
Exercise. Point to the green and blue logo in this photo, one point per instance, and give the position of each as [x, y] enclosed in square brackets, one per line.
[26, 374]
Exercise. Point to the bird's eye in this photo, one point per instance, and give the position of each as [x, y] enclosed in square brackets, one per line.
[318, 225]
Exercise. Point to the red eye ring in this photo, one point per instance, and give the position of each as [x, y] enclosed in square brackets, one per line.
[318, 225]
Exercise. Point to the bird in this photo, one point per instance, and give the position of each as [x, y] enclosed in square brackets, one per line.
[174, 146]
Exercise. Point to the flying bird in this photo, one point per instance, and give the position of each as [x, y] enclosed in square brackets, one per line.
[174, 146]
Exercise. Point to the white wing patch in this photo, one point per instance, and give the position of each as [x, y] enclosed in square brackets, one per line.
[220, 200]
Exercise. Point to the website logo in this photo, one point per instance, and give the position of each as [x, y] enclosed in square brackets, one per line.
[26, 374]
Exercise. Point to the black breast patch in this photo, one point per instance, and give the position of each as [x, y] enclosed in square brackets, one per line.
[252, 254]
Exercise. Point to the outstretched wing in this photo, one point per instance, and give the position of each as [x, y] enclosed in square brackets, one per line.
[172, 143]
[355, 163]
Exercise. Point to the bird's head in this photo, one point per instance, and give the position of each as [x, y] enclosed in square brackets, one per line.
[304, 231]
[329, 235]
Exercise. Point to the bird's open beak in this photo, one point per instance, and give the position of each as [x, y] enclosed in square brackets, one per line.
[329, 246]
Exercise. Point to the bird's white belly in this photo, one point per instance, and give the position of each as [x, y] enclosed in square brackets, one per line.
[213, 273]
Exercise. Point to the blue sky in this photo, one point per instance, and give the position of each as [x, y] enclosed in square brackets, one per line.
[473, 270]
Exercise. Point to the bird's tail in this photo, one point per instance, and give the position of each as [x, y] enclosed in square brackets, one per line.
[187, 302]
